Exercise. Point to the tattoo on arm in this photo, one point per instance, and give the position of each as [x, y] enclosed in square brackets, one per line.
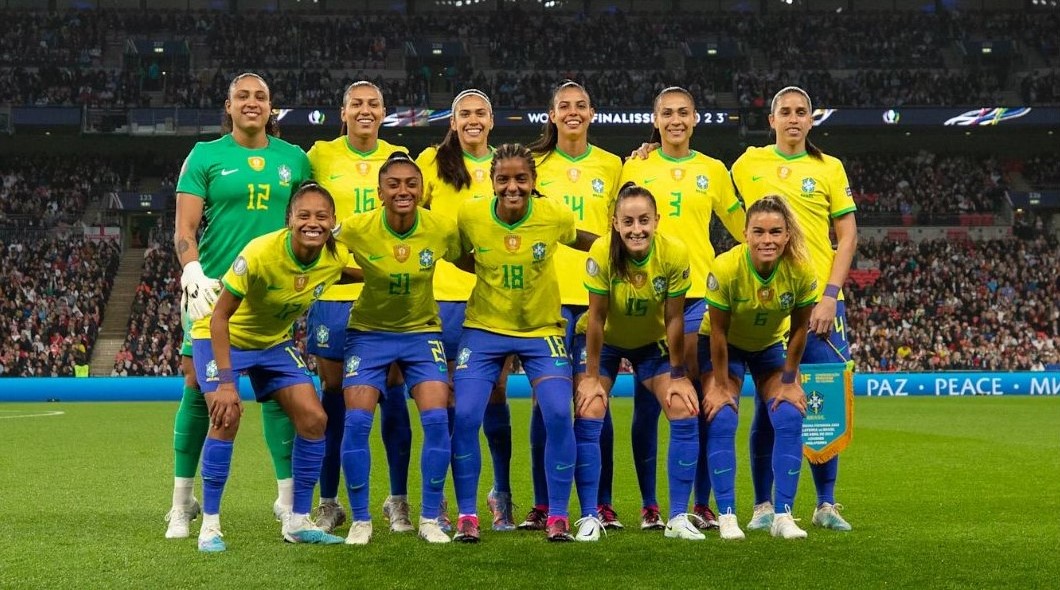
[182, 246]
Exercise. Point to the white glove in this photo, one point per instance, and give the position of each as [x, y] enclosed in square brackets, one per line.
[200, 292]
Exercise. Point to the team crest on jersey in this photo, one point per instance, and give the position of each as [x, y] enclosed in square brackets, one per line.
[701, 182]
[765, 294]
[815, 402]
[463, 357]
[512, 242]
[401, 252]
[808, 186]
[285, 175]
[211, 371]
[574, 174]
[591, 267]
[677, 173]
[239, 267]
[712, 282]
[659, 285]
[583, 357]
[363, 168]
[323, 334]
[538, 250]
[257, 163]
[787, 299]
[318, 291]
[300, 282]
[783, 172]
[480, 175]
[352, 365]
[426, 258]
[686, 273]
[638, 279]
[598, 185]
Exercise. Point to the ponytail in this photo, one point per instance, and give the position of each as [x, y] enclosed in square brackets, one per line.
[811, 149]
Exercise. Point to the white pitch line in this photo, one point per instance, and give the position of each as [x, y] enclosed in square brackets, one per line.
[37, 415]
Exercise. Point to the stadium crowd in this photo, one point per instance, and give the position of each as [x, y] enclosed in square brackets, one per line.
[43, 191]
[152, 344]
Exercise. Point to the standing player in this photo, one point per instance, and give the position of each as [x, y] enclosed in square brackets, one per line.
[585, 178]
[756, 292]
[637, 281]
[240, 184]
[348, 167]
[816, 188]
[514, 310]
[691, 186]
[270, 284]
[396, 321]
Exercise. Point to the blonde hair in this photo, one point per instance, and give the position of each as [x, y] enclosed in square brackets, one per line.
[796, 250]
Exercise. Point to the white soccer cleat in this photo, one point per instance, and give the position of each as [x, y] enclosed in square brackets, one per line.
[210, 539]
[360, 532]
[330, 516]
[762, 519]
[179, 519]
[784, 527]
[827, 516]
[396, 510]
[680, 527]
[729, 528]
[280, 511]
[589, 529]
[431, 532]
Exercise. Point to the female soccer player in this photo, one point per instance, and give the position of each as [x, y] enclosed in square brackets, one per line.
[583, 177]
[692, 186]
[271, 283]
[348, 167]
[396, 321]
[816, 188]
[241, 183]
[456, 170]
[752, 292]
[637, 281]
[514, 310]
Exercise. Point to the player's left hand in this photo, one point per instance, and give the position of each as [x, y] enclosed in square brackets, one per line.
[791, 393]
[822, 318]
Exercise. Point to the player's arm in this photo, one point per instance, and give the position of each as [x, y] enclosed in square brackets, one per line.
[731, 209]
[589, 387]
[225, 405]
[721, 389]
[790, 390]
[466, 262]
[351, 275]
[199, 291]
[822, 320]
[680, 384]
[583, 240]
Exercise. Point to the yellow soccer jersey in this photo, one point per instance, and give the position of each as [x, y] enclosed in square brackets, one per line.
[398, 293]
[451, 283]
[516, 293]
[760, 307]
[688, 190]
[817, 191]
[275, 287]
[637, 308]
[587, 184]
[352, 177]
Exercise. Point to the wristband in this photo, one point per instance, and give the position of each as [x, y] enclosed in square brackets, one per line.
[787, 377]
[225, 376]
[678, 372]
[831, 291]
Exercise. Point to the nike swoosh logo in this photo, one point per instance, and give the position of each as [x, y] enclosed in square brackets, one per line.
[561, 363]
[560, 467]
[443, 369]
[482, 250]
[273, 288]
[462, 457]
[374, 257]
[739, 300]
[686, 464]
[288, 443]
[795, 472]
[437, 481]
[720, 471]
[335, 176]
[756, 178]
[227, 172]
[647, 180]
[546, 182]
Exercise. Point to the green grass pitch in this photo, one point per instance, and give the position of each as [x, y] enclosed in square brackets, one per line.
[942, 493]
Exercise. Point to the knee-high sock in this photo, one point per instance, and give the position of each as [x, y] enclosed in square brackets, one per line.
[554, 398]
[357, 461]
[537, 457]
[703, 482]
[434, 459]
[787, 453]
[189, 432]
[721, 449]
[681, 462]
[335, 407]
[305, 463]
[824, 476]
[646, 410]
[762, 453]
[279, 437]
[587, 473]
[471, 398]
[497, 426]
[607, 459]
[396, 428]
[216, 463]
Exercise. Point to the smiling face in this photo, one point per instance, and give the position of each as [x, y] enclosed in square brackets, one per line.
[363, 111]
[675, 116]
[791, 120]
[636, 221]
[248, 104]
[767, 236]
[472, 120]
[400, 188]
[513, 183]
[571, 112]
[312, 219]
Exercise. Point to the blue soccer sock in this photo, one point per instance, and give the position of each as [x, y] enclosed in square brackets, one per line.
[434, 459]
[587, 473]
[681, 462]
[472, 396]
[335, 407]
[305, 466]
[824, 476]
[721, 449]
[216, 463]
[554, 398]
[702, 486]
[357, 461]
[646, 410]
[537, 457]
[607, 459]
[396, 428]
[497, 426]
[762, 453]
[787, 454]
